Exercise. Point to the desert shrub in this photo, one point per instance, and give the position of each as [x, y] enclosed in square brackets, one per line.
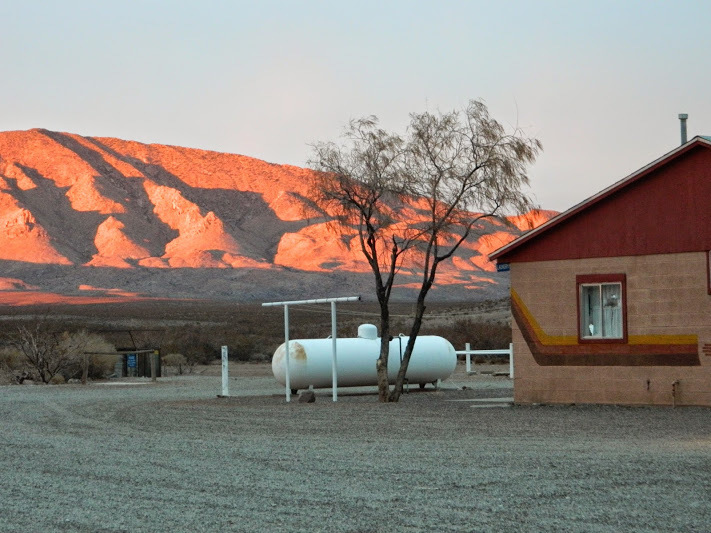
[203, 345]
[39, 342]
[175, 360]
[242, 348]
[6, 378]
[57, 379]
[11, 359]
[193, 342]
[202, 354]
[260, 357]
[101, 366]
[91, 355]
[12, 365]
[480, 335]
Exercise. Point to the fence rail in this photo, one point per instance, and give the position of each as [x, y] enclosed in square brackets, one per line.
[468, 353]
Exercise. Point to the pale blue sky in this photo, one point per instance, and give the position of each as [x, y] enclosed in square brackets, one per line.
[600, 83]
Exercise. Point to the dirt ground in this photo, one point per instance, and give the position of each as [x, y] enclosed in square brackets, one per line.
[171, 456]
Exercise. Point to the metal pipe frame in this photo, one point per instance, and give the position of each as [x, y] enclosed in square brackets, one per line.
[315, 301]
[334, 358]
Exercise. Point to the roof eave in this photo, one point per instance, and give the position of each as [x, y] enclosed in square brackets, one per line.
[577, 208]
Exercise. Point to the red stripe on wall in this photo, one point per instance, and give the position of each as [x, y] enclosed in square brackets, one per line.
[605, 354]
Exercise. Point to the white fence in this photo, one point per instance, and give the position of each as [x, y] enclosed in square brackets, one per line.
[468, 353]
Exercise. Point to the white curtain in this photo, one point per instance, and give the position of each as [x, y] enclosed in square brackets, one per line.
[612, 310]
[601, 314]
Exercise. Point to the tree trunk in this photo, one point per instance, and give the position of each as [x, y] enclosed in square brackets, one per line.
[43, 375]
[84, 369]
[381, 364]
[414, 331]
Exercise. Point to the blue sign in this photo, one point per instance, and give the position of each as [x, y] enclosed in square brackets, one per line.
[502, 267]
[132, 360]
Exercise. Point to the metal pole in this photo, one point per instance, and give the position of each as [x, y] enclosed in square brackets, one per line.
[469, 359]
[286, 347]
[225, 373]
[154, 364]
[682, 118]
[334, 359]
[332, 301]
[314, 301]
[511, 370]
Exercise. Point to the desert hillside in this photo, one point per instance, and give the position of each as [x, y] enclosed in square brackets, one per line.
[91, 219]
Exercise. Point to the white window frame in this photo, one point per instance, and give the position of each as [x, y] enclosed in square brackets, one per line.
[617, 303]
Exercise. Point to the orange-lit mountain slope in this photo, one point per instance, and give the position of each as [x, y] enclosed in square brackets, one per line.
[167, 221]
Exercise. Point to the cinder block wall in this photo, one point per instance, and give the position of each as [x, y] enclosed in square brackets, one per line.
[666, 295]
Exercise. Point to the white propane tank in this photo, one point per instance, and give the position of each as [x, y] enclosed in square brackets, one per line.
[310, 360]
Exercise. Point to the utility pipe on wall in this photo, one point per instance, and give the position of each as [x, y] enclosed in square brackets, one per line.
[675, 386]
[682, 119]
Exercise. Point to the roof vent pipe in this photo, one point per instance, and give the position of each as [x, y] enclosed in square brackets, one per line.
[682, 118]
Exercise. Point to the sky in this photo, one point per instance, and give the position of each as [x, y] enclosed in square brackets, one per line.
[600, 83]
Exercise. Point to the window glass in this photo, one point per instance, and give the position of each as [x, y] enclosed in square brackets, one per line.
[612, 310]
[590, 325]
[601, 310]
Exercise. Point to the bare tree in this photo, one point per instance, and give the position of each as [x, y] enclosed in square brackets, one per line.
[49, 350]
[465, 167]
[40, 344]
[83, 348]
[462, 165]
[358, 186]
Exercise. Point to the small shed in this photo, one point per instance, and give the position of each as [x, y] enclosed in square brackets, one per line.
[611, 300]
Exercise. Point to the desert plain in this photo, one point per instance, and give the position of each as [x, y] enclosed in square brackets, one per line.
[130, 456]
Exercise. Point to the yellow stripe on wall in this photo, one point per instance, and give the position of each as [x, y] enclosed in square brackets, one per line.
[543, 337]
[568, 340]
[662, 339]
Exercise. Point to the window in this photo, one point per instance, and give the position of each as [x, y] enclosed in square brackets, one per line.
[601, 308]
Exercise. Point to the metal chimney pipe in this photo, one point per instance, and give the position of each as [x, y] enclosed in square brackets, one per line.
[682, 119]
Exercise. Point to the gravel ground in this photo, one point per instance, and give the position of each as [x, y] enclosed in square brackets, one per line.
[172, 457]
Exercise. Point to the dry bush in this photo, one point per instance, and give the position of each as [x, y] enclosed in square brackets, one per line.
[202, 343]
[192, 341]
[6, 378]
[239, 347]
[12, 365]
[480, 335]
[101, 366]
[39, 341]
[11, 359]
[175, 360]
[92, 356]
[253, 332]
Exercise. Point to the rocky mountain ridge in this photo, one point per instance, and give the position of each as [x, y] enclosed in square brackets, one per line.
[103, 218]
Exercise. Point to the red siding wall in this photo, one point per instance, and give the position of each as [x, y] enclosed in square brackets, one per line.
[667, 210]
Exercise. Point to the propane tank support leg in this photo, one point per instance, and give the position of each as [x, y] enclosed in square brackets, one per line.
[286, 352]
[334, 371]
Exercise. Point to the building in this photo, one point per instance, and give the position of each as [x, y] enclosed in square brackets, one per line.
[611, 300]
